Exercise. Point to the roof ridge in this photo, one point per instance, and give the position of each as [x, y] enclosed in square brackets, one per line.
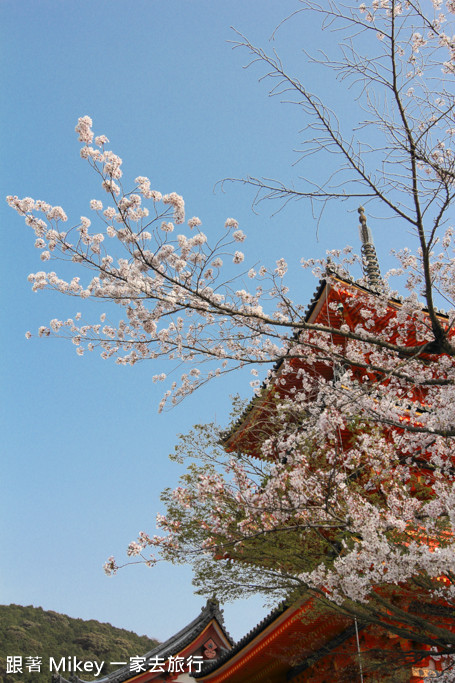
[266, 621]
[176, 643]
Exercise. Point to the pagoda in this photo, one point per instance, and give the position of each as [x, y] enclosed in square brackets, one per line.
[309, 640]
[306, 640]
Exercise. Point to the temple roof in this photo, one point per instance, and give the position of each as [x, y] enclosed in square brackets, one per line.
[188, 633]
[171, 647]
[282, 645]
[312, 311]
[269, 619]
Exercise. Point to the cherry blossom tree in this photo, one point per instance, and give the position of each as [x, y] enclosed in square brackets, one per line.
[366, 527]
[365, 495]
[180, 299]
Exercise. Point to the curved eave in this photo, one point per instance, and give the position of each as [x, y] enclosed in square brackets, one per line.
[182, 644]
[268, 652]
[237, 437]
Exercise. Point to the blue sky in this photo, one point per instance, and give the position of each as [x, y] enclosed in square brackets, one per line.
[84, 450]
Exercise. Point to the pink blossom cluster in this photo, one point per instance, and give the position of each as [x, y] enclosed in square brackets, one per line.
[378, 13]
[160, 280]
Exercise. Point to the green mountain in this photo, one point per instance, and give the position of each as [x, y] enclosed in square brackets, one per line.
[31, 632]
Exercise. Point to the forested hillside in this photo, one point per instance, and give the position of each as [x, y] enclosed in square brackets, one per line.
[33, 632]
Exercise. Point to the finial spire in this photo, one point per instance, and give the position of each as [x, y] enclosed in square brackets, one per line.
[371, 268]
